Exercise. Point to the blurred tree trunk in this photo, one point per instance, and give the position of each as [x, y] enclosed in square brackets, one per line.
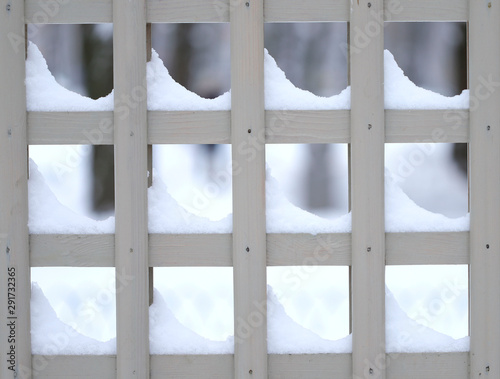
[98, 69]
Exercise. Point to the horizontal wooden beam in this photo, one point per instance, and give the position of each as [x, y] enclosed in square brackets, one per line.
[434, 248]
[289, 366]
[192, 11]
[429, 126]
[213, 127]
[214, 250]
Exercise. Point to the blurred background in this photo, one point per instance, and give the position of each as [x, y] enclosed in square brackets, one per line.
[314, 177]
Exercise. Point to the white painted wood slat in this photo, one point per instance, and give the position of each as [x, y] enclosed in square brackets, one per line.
[484, 163]
[367, 192]
[131, 236]
[15, 285]
[249, 178]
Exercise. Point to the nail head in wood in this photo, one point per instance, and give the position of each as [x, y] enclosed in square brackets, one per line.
[250, 372]
[368, 249]
[369, 126]
[249, 131]
[247, 249]
[488, 127]
[487, 245]
[369, 5]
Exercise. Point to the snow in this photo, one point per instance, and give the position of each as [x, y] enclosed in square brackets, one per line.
[167, 335]
[164, 93]
[403, 215]
[167, 216]
[401, 93]
[43, 93]
[284, 217]
[48, 215]
[281, 94]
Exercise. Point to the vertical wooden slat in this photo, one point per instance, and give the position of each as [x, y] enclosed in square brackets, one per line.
[14, 246]
[249, 226]
[150, 158]
[367, 189]
[131, 236]
[484, 80]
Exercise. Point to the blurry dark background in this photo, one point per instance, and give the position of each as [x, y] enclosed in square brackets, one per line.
[432, 55]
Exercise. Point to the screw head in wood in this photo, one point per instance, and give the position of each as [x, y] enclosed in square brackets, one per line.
[247, 4]
[247, 249]
[370, 371]
[250, 372]
[369, 5]
[368, 249]
[487, 245]
[369, 126]
[249, 131]
[488, 127]
[7, 7]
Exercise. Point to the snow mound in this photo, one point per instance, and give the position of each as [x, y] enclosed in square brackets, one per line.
[404, 335]
[164, 93]
[401, 93]
[281, 94]
[43, 93]
[403, 215]
[48, 215]
[168, 336]
[285, 336]
[167, 216]
[50, 336]
[284, 217]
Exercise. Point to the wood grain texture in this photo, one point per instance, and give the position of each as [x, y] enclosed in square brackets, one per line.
[15, 281]
[434, 248]
[190, 250]
[305, 11]
[484, 181]
[307, 249]
[426, 10]
[131, 183]
[299, 126]
[427, 126]
[214, 250]
[61, 128]
[282, 366]
[367, 192]
[68, 11]
[72, 250]
[206, 127]
[203, 127]
[174, 11]
[249, 180]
